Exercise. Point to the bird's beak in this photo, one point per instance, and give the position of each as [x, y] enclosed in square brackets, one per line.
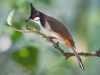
[27, 20]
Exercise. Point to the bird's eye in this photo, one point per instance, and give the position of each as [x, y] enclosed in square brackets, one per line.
[34, 16]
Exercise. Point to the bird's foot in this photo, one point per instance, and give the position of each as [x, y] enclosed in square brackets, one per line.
[57, 45]
[50, 39]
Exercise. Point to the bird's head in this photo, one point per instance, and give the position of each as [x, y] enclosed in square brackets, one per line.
[35, 15]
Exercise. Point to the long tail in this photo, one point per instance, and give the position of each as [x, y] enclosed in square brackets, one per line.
[76, 54]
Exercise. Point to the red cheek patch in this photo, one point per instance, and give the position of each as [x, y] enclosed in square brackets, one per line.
[34, 16]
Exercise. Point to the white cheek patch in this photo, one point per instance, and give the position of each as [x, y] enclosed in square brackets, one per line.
[37, 19]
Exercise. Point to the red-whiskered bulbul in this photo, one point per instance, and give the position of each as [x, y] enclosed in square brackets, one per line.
[54, 29]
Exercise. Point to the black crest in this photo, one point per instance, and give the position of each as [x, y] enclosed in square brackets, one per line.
[34, 13]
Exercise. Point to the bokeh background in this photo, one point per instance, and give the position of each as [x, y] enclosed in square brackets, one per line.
[30, 54]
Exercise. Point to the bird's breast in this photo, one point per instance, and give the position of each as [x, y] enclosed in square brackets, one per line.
[49, 32]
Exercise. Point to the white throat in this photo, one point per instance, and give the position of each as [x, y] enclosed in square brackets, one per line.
[37, 20]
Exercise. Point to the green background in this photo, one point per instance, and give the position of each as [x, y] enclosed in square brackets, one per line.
[30, 54]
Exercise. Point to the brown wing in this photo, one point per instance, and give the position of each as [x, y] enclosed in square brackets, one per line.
[59, 28]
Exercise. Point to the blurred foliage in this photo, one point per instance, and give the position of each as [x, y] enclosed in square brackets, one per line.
[48, 2]
[26, 57]
[30, 52]
[32, 25]
[16, 35]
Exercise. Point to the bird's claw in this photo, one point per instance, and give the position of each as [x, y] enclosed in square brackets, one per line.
[57, 45]
[50, 39]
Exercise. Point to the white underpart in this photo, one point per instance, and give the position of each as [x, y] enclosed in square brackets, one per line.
[47, 30]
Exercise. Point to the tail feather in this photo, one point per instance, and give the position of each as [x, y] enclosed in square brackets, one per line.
[76, 54]
[79, 59]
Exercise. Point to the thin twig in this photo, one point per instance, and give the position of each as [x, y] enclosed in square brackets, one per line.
[67, 54]
[15, 29]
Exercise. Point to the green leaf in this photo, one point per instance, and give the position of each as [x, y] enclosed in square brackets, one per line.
[10, 16]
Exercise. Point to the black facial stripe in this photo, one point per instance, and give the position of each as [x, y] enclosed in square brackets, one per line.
[42, 19]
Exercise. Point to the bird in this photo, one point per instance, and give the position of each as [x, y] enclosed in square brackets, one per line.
[54, 29]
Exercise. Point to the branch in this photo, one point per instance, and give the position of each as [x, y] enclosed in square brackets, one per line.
[15, 29]
[67, 54]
